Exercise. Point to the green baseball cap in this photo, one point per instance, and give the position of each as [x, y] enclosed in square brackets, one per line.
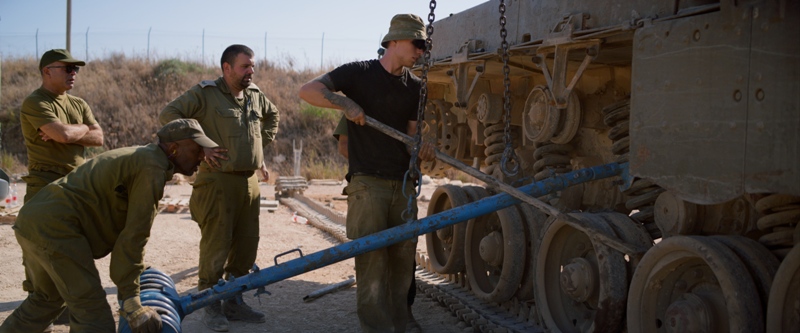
[181, 129]
[62, 55]
[405, 26]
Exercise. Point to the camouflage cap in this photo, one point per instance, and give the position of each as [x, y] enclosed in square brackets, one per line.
[181, 129]
[62, 55]
[405, 26]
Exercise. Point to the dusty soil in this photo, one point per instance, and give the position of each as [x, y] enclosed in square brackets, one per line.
[173, 250]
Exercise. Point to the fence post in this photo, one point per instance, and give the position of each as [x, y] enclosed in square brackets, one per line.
[298, 153]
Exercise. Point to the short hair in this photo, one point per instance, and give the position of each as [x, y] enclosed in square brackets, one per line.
[233, 51]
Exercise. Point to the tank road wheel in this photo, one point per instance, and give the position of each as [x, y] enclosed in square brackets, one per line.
[534, 224]
[631, 232]
[761, 263]
[441, 125]
[446, 245]
[495, 247]
[783, 309]
[580, 285]
[570, 122]
[540, 119]
[693, 284]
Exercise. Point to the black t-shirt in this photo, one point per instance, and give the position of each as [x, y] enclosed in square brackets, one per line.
[390, 99]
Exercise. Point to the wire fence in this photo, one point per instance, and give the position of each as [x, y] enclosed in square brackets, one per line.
[304, 52]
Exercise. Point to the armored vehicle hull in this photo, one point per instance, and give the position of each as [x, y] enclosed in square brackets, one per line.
[701, 98]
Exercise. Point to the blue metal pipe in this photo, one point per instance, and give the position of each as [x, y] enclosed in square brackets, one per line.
[261, 278]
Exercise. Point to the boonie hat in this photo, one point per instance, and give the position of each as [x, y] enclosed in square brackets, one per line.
[62, 55]
[181, 129]
[405, 26]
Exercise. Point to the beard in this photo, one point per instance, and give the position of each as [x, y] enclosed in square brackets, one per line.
[241, 83]
[245, 81]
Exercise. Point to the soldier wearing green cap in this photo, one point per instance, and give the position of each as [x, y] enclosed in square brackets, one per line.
[225, 197]
[384, 89]
[57, 126]
[105, 206]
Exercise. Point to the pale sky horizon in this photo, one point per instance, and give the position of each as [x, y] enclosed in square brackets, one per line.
[289, 31]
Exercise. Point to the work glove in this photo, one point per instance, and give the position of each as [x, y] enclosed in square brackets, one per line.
[141, 319]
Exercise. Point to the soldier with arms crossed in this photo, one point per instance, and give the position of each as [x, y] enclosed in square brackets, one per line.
[57, 126]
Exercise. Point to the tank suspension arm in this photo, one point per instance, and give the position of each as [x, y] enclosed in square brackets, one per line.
[460, 76]
[557, 82]
[519, 195]
[269, 275]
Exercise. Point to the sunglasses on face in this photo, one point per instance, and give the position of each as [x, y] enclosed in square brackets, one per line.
[419, 43]
[68, 68]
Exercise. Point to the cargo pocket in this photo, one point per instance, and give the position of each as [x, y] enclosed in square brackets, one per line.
[202, 199]
[358, 209]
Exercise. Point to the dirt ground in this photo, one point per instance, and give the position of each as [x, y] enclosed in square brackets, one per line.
[173, 250]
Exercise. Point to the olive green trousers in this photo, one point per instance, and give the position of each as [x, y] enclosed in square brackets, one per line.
[35, 181]
[383, 276]
[57, 280]
[226, 207]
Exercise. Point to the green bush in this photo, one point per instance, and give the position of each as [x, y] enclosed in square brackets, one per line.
[175, 68]
[315, 112]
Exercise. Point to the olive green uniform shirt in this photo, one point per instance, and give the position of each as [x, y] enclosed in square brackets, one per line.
[244, 128]
[111, 201]
[43, 107]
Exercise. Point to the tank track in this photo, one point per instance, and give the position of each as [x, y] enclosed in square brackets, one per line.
[449, 290]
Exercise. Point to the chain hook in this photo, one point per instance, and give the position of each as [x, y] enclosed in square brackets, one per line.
[509, 156]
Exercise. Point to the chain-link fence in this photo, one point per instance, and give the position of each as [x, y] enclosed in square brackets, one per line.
[205, 46]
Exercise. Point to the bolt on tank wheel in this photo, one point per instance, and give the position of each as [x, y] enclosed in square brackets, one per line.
[693, 284]
[783, 309]
[446, 245]
[495, 249]
[580, 285]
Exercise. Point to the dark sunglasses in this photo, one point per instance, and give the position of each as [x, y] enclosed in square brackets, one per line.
[419, 43]
[68, 68]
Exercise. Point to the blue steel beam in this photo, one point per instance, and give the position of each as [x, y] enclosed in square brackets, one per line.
[227, 289]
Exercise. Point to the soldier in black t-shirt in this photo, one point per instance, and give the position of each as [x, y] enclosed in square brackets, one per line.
[387, 91]
[340, 134]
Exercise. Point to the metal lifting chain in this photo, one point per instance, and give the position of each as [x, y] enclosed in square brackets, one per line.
[413, 169]
[509, 156]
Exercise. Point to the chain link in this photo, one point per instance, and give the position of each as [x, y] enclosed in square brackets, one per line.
[413, 169]
[509, 156]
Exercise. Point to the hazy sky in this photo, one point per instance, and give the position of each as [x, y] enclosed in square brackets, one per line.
[294, 28]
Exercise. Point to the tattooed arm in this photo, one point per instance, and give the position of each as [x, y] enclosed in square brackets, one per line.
[320, 92]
